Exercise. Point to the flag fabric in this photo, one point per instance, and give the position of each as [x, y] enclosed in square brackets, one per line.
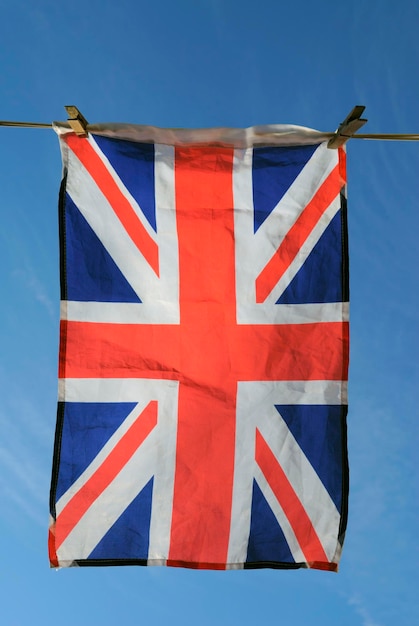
[203, 349]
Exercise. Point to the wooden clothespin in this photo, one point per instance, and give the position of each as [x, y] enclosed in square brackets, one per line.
[77, 121]
[348, 128]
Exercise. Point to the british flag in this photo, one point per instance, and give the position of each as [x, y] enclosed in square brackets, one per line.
[203, 350]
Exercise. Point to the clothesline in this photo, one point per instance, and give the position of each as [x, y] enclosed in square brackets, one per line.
[346, 130]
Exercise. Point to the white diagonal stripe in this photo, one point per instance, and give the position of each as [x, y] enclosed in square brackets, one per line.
[155, 457]
[159, 295]
[110, 505]
[272, 231]
[122, 188]
[254, 250]
[256, 409]
[310, 490]
[294, 546]
[304, 252]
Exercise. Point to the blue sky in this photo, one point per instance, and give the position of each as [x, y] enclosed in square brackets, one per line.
[197, 64]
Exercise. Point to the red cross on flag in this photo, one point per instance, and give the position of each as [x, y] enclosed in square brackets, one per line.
[203, 349]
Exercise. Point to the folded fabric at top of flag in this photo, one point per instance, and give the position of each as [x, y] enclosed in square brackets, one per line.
[203, 349]
[268, 134]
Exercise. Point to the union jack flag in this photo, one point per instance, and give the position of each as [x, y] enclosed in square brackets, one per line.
[203, 350]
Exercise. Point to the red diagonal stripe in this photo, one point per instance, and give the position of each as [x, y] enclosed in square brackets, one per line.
[293, 508]
[106, 473]
[119, 203]
[298, 234]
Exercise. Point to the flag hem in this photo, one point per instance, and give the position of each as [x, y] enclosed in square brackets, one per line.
[265, 135]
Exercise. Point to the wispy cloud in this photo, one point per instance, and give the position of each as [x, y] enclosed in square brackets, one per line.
[13, 496]
[24, 479]
[25, 454]
[31, 281]
[357, 603]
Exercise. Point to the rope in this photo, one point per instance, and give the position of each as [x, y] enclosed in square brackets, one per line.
[376, 136]
[25, 124]
[387, 137]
